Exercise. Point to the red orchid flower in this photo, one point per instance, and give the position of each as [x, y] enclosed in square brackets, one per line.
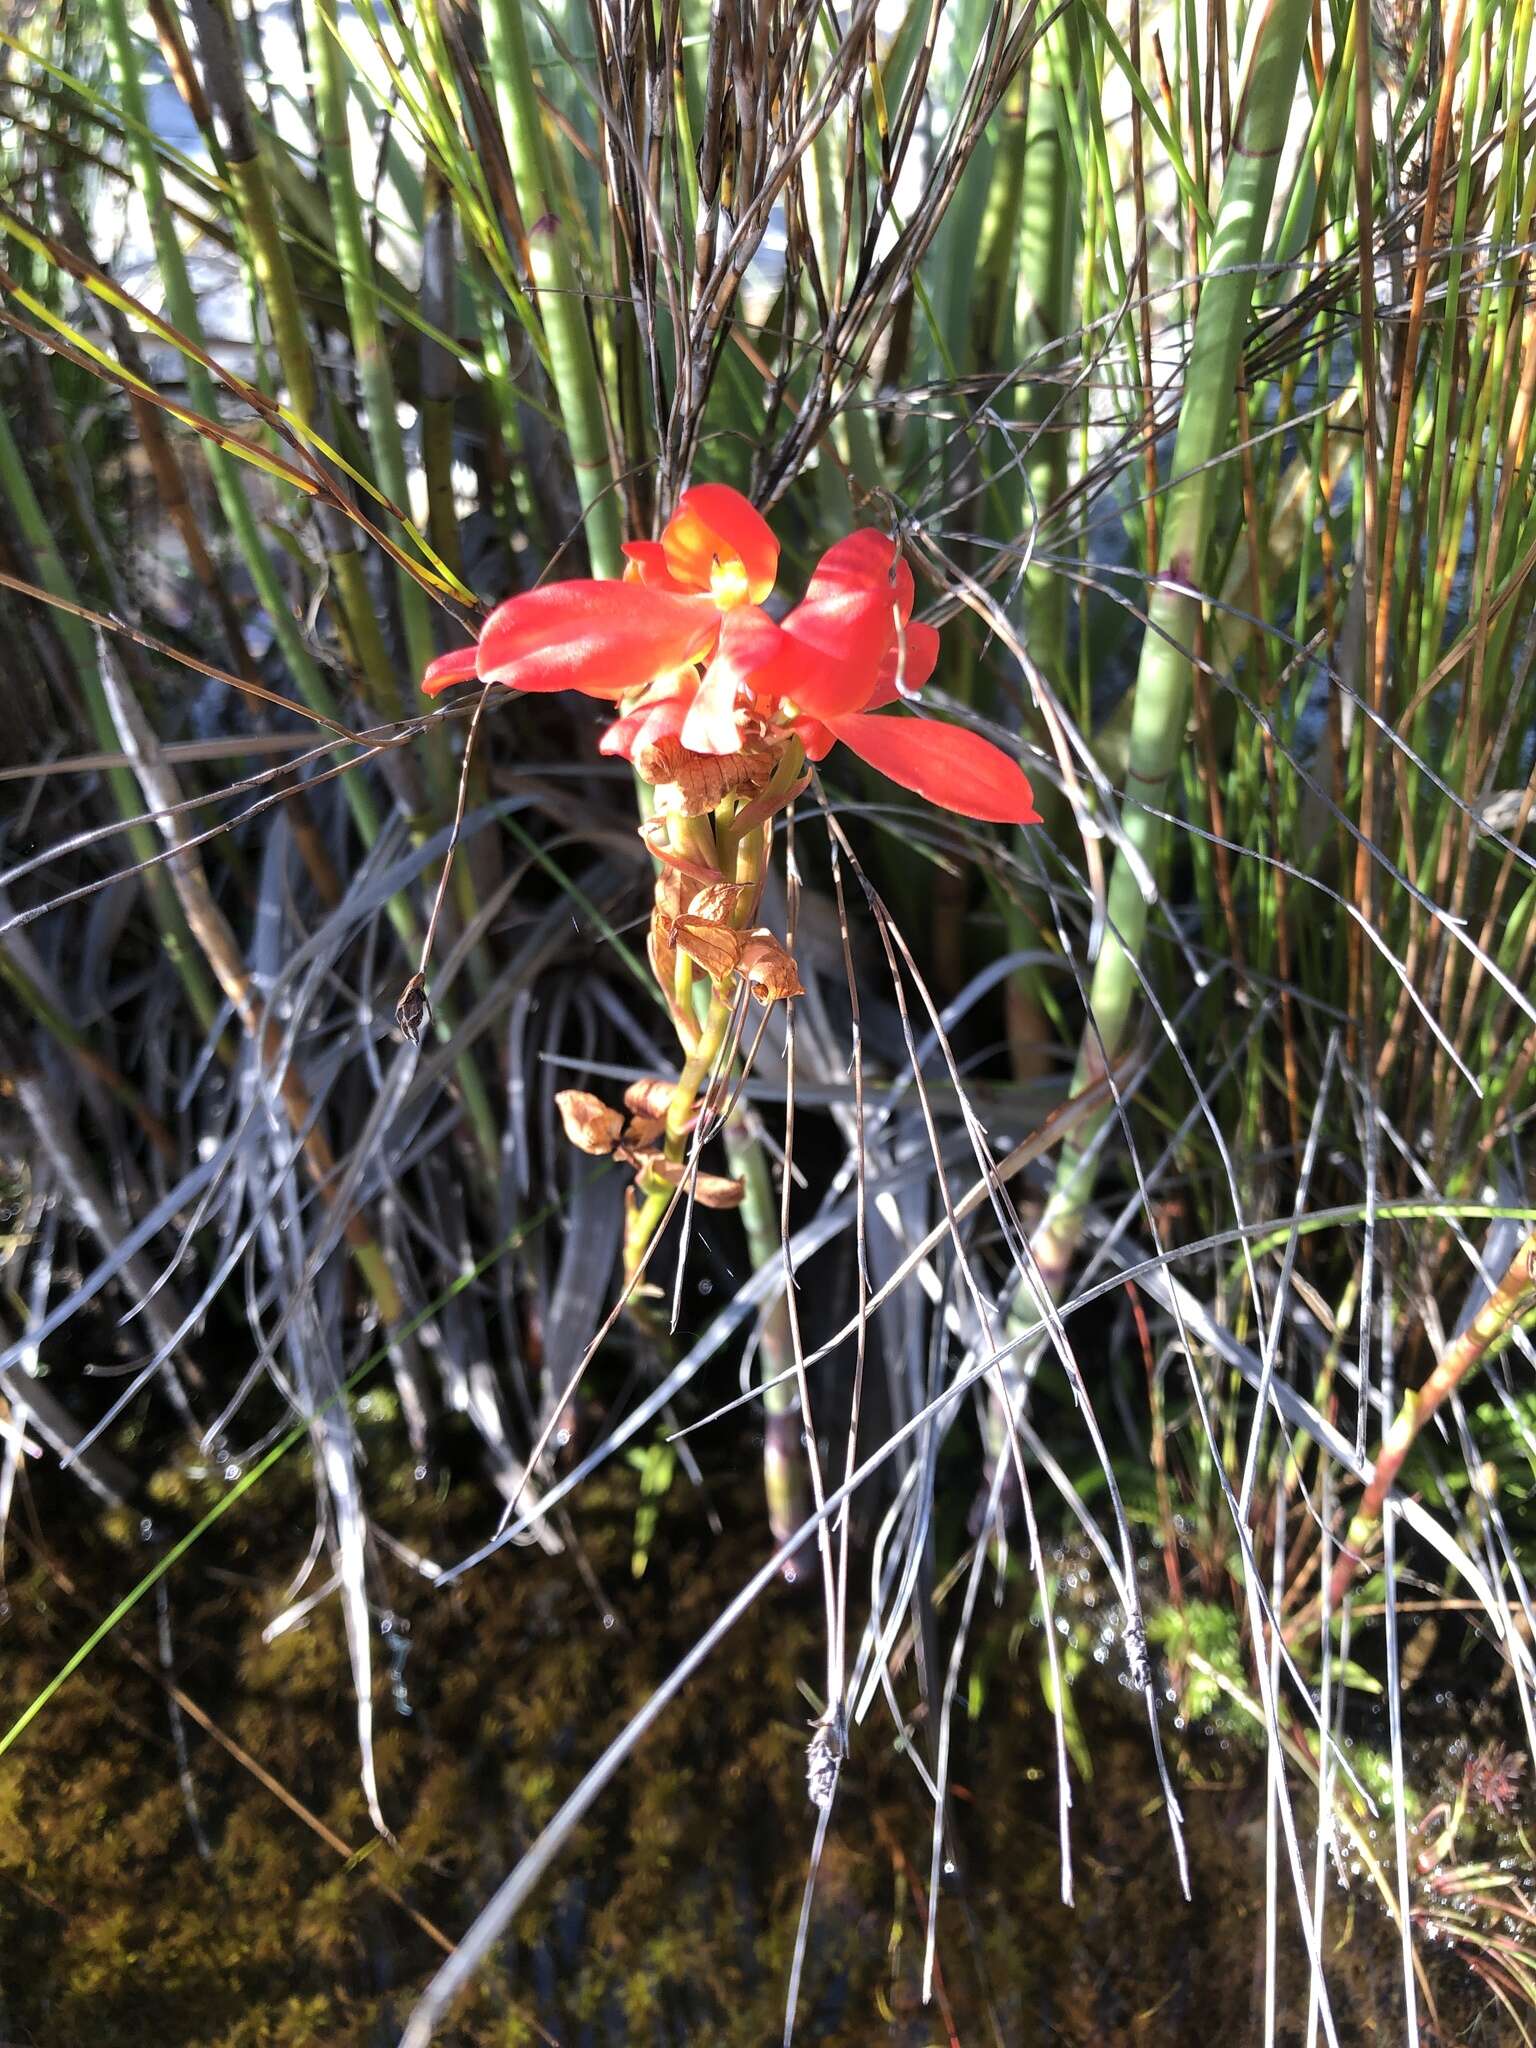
[684, 638]
[608, 638]
[848, 650]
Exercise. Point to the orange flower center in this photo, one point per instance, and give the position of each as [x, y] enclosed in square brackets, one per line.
[728, 584]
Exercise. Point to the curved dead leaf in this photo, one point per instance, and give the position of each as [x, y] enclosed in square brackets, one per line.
[672, 892]
[689, 784]
[714, 947]
[716, 903]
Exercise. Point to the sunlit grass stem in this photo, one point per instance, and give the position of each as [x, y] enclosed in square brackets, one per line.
[181, 305]
[572, 360]
[354, 260]
[17, 490]
[1163, 678]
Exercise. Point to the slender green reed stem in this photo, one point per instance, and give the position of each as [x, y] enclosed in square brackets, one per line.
[1163, 680]
[572, 361]
[355, 262]
[181, 305]
[181, 948]
[272, 265]
[1046, 218]
[785, 1476]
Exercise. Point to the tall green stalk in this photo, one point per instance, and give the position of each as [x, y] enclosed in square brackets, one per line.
[181, 948]
[438, 370]
[572, 362]
[786, 1475]
[1046, 220]
[1160, 703]
[181, 306]
[256, 206]
[371, 356]
[356, 266]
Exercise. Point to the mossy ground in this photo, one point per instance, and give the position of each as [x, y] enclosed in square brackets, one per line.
[671, 1917]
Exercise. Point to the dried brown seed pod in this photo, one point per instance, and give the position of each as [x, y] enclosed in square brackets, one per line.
[414, 1009]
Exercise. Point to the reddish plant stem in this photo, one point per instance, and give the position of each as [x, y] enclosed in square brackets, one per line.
[1498, 1315]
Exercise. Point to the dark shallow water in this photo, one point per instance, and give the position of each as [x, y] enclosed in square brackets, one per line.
[147, 1902]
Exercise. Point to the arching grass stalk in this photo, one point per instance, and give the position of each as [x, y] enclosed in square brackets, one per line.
[182, 310]
[355, 262]
[256, 206]
[1160, 704]
[572, 362]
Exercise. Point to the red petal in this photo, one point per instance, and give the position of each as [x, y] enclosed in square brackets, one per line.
[918, 657]
[765, 661]
[448, 669]
[754, 663]
[843, 645]
[848, 622]
[606, 638]
[712, 522]
[658, 716]
[863, 560]
[817, 739]
[647, 564]
[945, 763]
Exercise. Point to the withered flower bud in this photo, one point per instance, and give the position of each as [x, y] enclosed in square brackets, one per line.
[589, 1122]
[710, 1190]
[650, 1097]
[768, 968]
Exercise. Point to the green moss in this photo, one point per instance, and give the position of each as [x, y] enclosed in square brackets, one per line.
[669, 1917]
